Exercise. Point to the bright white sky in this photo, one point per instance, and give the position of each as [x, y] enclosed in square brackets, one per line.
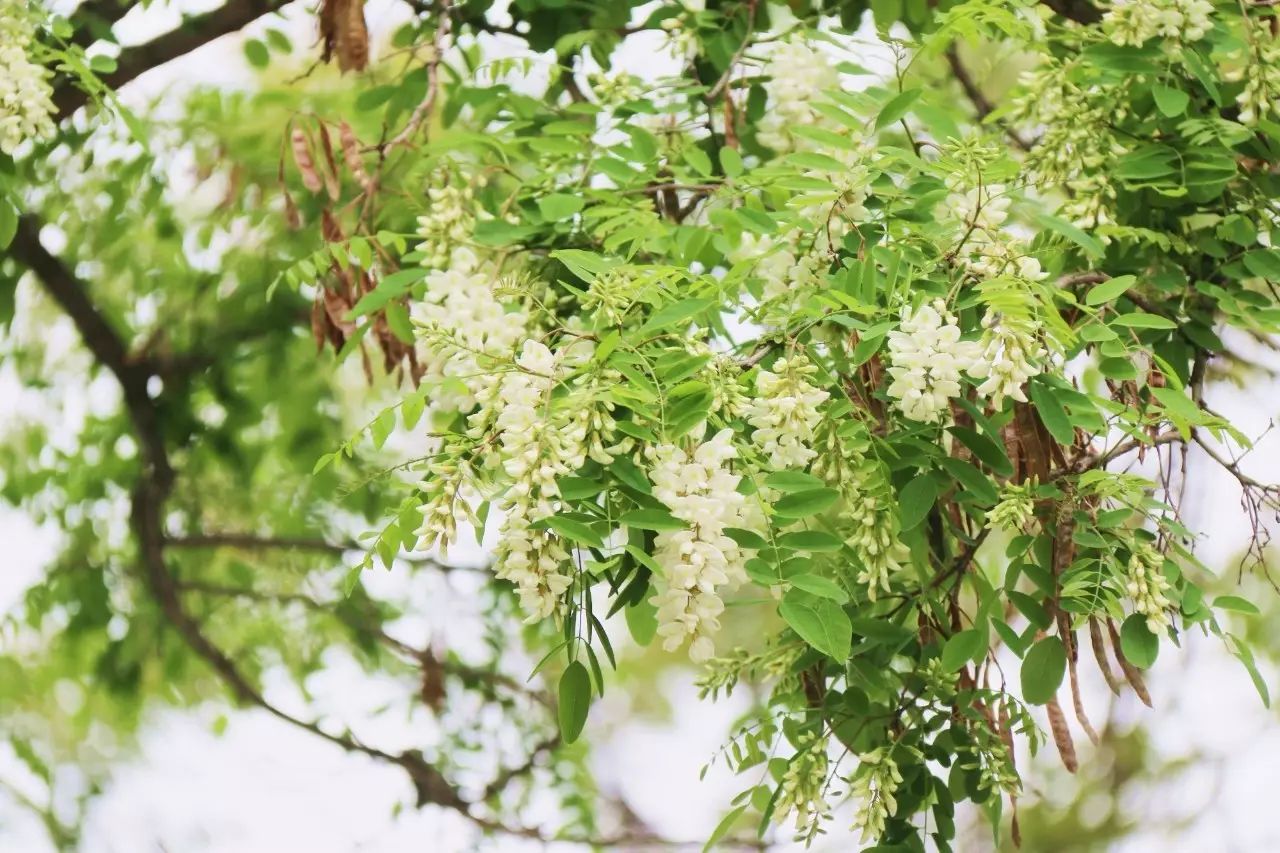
[261, 786]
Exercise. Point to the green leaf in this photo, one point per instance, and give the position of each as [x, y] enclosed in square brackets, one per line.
[256, 52]
[1172, 102]
[675, 313]
[896, 108]
[984, 448]
[1236, 604]
[1245, 655]
[577, 488]
[698, 159]
[1042, 670]
[575, 700]
[731, 162]
[1109, 289]
[746, 538]
[727, 822]
[1143, 320]
[559, 206]
[916, 499]
[792, 481]
[1086, 242]
[819, 586]
[1264, 263]
[1052, 414]
[820, 622]
[963, 647]
[1139, 645]
[651, 519]
[802, 504]
[642, 621]
[810, 540]
[573, 530]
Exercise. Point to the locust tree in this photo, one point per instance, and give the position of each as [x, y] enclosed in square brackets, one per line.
[861, 354]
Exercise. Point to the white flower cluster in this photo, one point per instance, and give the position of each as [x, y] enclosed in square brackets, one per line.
[1011, 354]
[992, 258]
[803, 785]
[538, 445]
[798, 73]
[1260, 71]
[789, 273]
[699, 560]
[448, 223]
[1147, 585]
[463, 323]
[984, 209]
[874, 786]
[785, 412]
[926, 359]
[26, 102]
[448, 497]
[1134, 22]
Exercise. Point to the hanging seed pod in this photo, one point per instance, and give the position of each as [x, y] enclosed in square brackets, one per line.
[1062, 735]
[331, 174]
[1100, 655]
[1078, 702]
[351, 153]
[302, 157]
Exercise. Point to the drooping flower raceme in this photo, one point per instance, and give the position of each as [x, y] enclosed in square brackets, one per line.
[874, 786]
[26, 98]
[448, 222]
[1147, 585]
[538, 445]
[463, 322]
[785, 412]
[1011, 354]
[798, 73]
[926, 359]
[700, 490]
[803, 785]
[1134, 22]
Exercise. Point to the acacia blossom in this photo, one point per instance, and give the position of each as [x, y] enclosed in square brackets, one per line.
[1147, 585]
[462, 325]
[448, 222]
[798, 73]
[926, 359]
[785, 412]
[697, 561]
[26, 98]
[537, 446]
[1011, 354]
[1134, 22]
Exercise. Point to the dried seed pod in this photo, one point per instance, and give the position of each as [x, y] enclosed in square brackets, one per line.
[351, 153]
[331, 175]
[344, 33]
[1062, 735]
[1078, 702]
[292, 218]
[1100, 655]
[302, 157]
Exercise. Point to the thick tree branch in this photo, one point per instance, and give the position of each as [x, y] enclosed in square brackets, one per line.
[193, 33]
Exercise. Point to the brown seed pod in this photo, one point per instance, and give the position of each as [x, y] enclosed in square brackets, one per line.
[1078, 702]
[1062, 735]
[1100, 655]
[344, 33]
[331, 175]
[302, 157]
[351, 153]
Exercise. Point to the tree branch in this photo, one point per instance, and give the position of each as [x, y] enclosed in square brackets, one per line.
[194, 32]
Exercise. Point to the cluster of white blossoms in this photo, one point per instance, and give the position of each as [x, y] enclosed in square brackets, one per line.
[449, 496]
[697, 561]
[1134, 22]
[538, 444]
[1011, 354]
[785, 412]
[448, 223]
[26, 98]
[798, 73]
[983, 209]
[875, 540]
[803, 785]
[788, 272]
[463, 323]
[1260, 71]
[927, 358]
[1147, 585]
[874, 785]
